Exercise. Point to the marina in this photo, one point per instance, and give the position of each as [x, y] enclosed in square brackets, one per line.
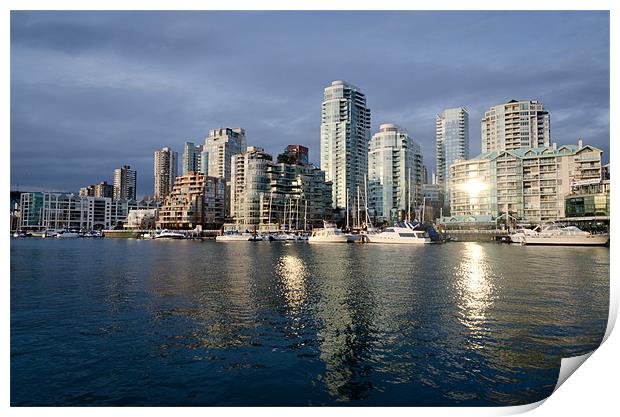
[203, 323]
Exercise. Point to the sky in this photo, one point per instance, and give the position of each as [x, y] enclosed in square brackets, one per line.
[91, 91]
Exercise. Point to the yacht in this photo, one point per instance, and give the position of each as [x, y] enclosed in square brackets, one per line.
[67, 234]
[553, 234]
[233, 236]
[518, 236]
[169, 234]
[328, 234]
[403, 232]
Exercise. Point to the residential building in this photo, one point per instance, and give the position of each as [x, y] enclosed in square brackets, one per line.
[125, 181]
[88, 191]
[451, 145]
[270, 195]
[395, 174]
[191, 158]
[165, 170]
[195, 200]
[219, 147]
[57, 211]
[514, 125]
[294, 154]
[141, 219]
[345, 132]
[522, 184]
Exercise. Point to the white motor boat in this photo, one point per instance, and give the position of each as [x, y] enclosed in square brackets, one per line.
[169, 234]
[328, 234]
[518, 236]
[403, 232]
[233, 236]
[552, 234]
[66, 234]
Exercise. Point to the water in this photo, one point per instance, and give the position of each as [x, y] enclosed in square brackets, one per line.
[131, 322]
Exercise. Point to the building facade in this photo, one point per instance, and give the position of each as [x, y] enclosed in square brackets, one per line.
[192, 158]
[525, 184]
[195, 200]
[345, 132]
[395, 174]
[269, 195]
[125, 182]
[295, 154]
[451, 145]
[165, 170]
[514, 125]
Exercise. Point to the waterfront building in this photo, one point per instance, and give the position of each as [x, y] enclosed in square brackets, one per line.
[196, 199]
[432, 195]
[165, 170]
[191, 158]
[270, 195]
[522, 184]
[588, 199]
[294, 154]
[395, 174]
[345, 132]
[141, 219]
[451, 145]
[514, 125]
[125, 181]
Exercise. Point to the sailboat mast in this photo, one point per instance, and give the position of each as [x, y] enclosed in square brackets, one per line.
[409, 195]
[305, 215]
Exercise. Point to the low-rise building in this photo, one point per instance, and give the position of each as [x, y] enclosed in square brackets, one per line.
[195, 199]
[141, 219]
[64, 211]
[522, 184]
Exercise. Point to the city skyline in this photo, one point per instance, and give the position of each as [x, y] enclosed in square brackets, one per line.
[108, 91]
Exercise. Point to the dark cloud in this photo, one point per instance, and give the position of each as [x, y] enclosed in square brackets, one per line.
[91, 91]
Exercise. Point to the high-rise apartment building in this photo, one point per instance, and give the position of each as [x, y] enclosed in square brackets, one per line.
[395, 174]
[345, 132]
[191, 158]
[268, 194]
[164, 171]
[221, 145]
[451, 145]
[125, 180]
[195, 199]
[514, 125]
[525, 184]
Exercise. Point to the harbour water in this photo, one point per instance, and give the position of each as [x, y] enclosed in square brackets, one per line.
[135, 322]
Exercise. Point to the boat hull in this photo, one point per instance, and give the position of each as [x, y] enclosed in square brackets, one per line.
[328, 239]
[591, 240]
[397, 241]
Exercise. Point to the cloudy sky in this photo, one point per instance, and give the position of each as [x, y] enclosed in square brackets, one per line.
[91, 91]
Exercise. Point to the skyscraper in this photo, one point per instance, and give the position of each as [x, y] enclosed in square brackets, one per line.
[395, 174]
[221, 145]
[125, 180]
[516, 124]
[345, 132]
[165, 168]
[451, 145]
[191, 158]
[219, 148]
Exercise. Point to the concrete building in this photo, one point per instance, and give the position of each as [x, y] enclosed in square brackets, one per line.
[526, 184]
[451, 145]
[294, 154]
[270, 195]
[514, 125]
[165, 170]
[395, 174]
[345, 132]
[64, 211]
[125, 182]
[192, 158]
[141, 219]
[220, 146]
[195, 200]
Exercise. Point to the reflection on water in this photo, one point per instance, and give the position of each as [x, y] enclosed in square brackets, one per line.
[191, 323]
[474, 289]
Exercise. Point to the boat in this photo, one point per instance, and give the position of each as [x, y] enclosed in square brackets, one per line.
[403, 232]
[169, 234]
[233, 236]
[66, 234]
[518, 236]
[39, 233]
[553, 234]
[328, 234]
[93, 234]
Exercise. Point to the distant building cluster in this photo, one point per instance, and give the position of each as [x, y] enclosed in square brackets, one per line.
[520, 176]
